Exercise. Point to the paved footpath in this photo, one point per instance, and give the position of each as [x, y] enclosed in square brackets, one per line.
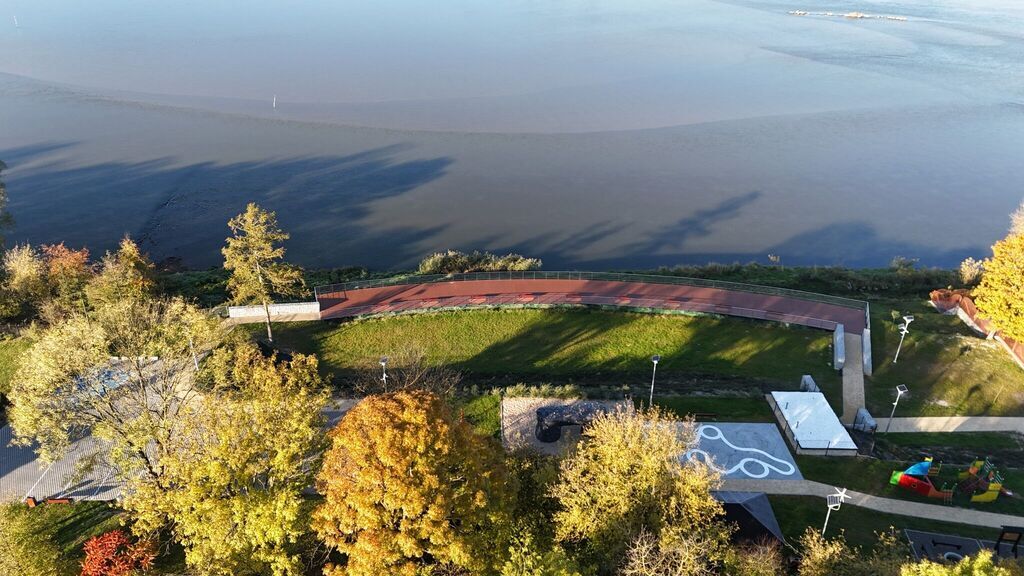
[944, 513]
[954, 424]
[547, 291]
[853, 377]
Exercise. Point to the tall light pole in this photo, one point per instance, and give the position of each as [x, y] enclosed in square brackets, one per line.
[834, 502]
[384, 370]
[904, 330]
[900, 391]
[656, 358]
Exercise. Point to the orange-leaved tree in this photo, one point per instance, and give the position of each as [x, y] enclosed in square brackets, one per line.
[114, 554]
[409, 487]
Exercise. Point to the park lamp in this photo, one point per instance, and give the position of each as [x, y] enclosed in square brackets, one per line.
[904, 330]
[655, 359]
[900, 391]
[834, 502]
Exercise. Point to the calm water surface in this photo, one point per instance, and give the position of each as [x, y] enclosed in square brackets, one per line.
[592, 133]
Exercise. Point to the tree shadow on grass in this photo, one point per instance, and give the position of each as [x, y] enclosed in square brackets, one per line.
[556, 345]
[82, 521]
[541, 346]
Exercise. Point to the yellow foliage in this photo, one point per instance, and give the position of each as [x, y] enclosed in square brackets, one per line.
[980, 565]
[627, 477]
[408, 487]
[1000, 296]
[233, 476]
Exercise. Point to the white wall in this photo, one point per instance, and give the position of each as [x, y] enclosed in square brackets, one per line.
[291, 309]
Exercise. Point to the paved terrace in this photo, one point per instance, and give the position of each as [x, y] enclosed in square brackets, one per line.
[664, 293]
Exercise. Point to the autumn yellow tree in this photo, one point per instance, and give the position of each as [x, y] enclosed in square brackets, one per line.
[981, 564]
[627, 481]
[24, 282]
[1000, 296]
[409, 488]
[126, 273]
[233, 479]
[120, 372]
[255, 257]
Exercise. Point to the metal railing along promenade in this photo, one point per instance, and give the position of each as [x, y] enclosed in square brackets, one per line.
[412, 280]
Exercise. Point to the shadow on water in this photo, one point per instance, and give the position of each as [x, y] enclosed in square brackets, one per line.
[698, 225]
[854, 244]
[327, 201]
[178, 210]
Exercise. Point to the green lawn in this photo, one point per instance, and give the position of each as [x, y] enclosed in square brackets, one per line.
[980, 441]
[871, 476]
[859, 525]
[483, 412]
[78, 522]
[948, 369]
[570, 344]
[727, 409]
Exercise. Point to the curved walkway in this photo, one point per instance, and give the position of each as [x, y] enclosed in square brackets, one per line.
[341, 303]
[888, 505]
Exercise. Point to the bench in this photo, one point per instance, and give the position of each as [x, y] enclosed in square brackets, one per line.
[705, 417]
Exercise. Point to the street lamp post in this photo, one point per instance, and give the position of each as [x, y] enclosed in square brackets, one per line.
[904, 330]
[834, 502]
[656, 358]
[900, 391]
[384, 370]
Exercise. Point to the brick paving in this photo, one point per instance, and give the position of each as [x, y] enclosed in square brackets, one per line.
[523, 292]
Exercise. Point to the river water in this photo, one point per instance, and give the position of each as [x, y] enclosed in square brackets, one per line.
[591, 133]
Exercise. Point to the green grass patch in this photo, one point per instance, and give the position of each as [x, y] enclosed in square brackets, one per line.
[859, 525]
[76, 523]
[571, 343]
[980, 441]
[949, 369]
[483, 412]
[726, 409]
[871, 476]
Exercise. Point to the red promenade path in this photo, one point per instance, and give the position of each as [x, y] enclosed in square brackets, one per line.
[539, 289]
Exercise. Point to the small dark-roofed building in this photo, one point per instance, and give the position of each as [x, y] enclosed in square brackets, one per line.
[752, 513]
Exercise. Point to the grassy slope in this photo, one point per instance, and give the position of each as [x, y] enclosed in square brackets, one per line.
[567, 343]
[872, 477]
[796, 513]
[942, 361]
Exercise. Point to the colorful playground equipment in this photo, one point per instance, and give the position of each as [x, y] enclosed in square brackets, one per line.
[981, 481]
[919, 479]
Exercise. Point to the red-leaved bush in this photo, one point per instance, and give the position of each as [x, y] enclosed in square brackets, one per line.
[113, 554]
